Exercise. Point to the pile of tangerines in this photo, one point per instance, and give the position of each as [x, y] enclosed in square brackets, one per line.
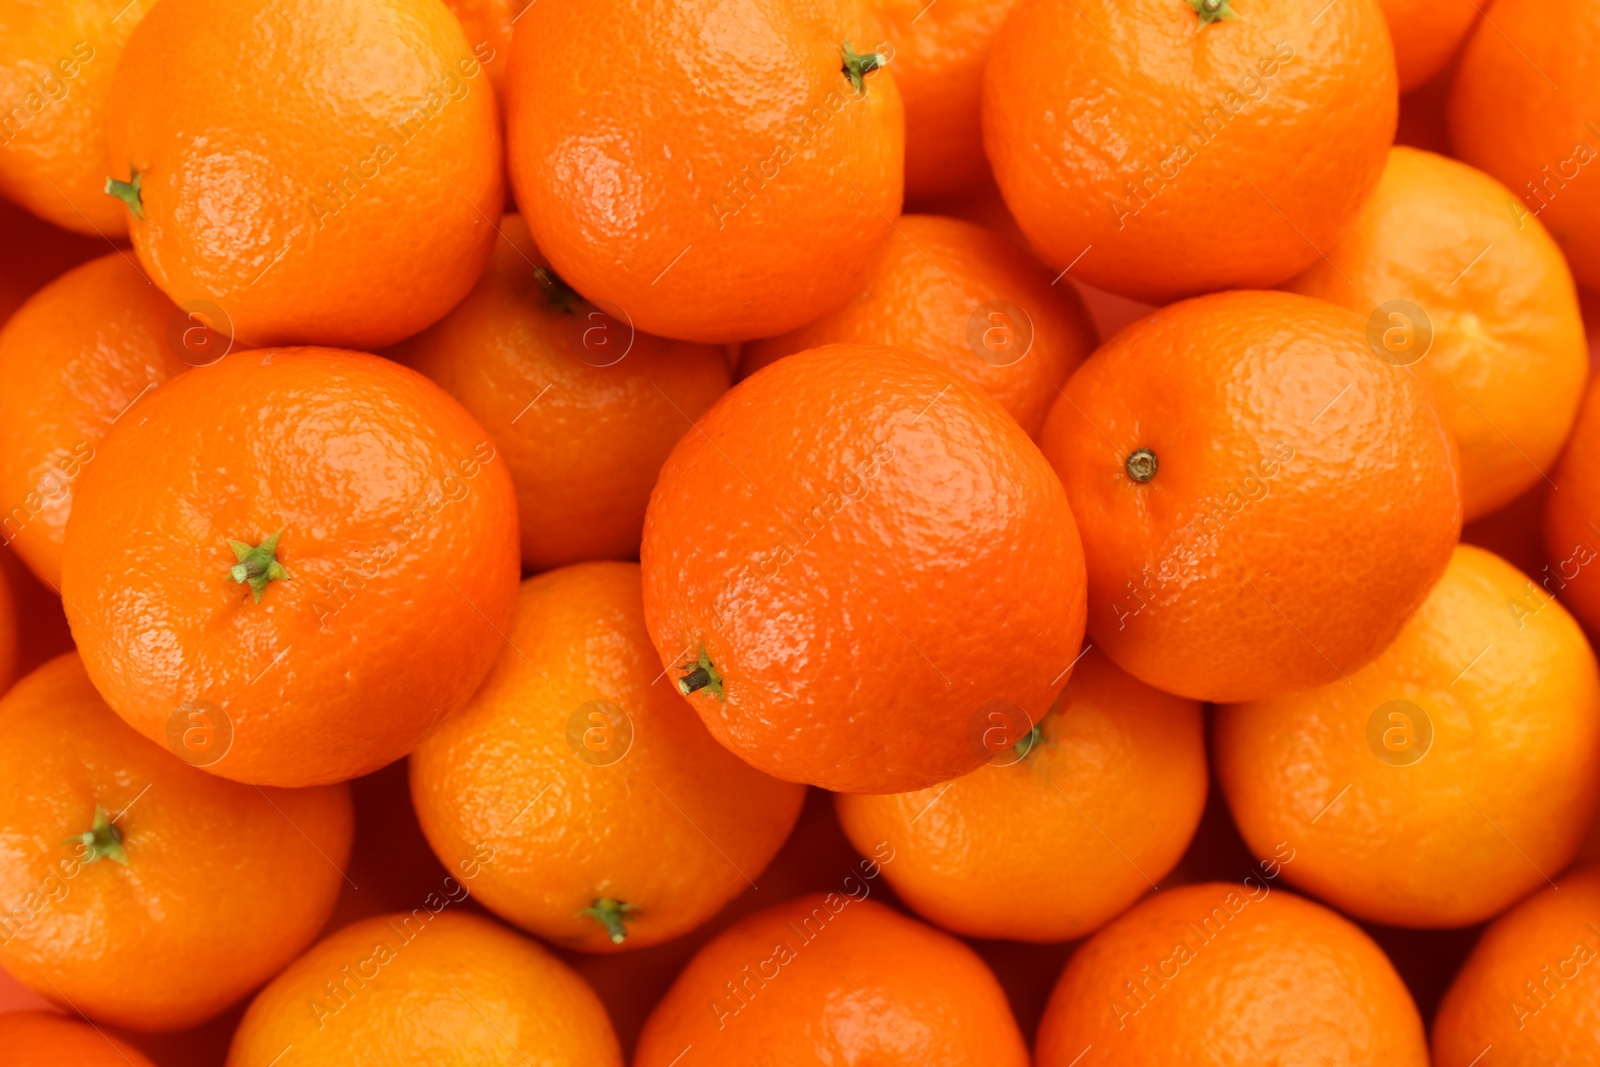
[469, 467]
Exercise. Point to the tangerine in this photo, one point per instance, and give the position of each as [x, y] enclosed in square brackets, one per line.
[1217, 974]
[725, 195]
[1521, 110]
[1229, 142]
[834, 978]
[426, 986]
[1263, 500]
[73, 361]
[810, 615]
[583, 408]
[961, 295]
[1108, 786]
[1479, 302]
[647, 826]
[938, 57]
[1433, 786]
[55, 84]
[319, 171]
[320, 544]
[1522, 991]
[130, 872]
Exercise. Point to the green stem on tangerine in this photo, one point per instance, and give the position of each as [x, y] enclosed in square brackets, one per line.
[128, 193]
[611, 914]
[1026, 745]
[701, 676]
[1212, 11]
[1141, 465]
[258, 564]
[563, 297]
[104, 840]
[857, 67]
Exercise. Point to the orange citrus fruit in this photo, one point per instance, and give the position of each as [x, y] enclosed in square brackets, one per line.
[307, 171]
[1479, 302]
[811, 545]
[1263, 501]
[317, 548]
[1160, 149]
[1219, 974]
[1523, 998]
[583, 408]
[433, 985]
[130, 873]
[56, 61]
[1109, 786]
[1433, 786]
[1523, 109]
[834, 978]
[727, 194]
[612, 816]
[1229, 973]
[961, 295]
[937, 54]
[73, 361]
